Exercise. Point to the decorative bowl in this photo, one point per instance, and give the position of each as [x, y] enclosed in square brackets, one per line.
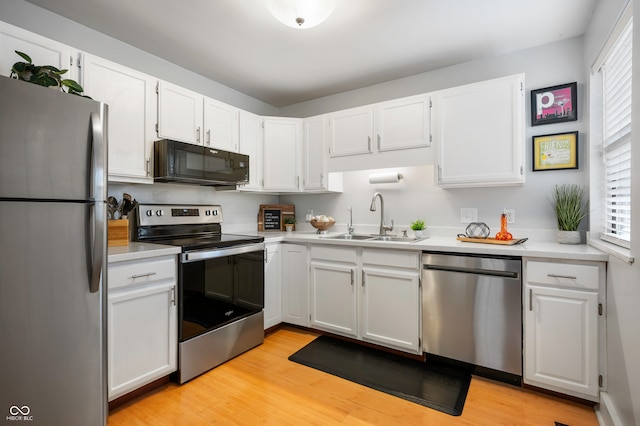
[322, 226]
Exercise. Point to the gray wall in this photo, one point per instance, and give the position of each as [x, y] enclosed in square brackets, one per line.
[41, 21]
[622, 399]
[416, 196]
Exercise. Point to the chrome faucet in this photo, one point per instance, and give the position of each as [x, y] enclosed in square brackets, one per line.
[383, 228]
[350, 224]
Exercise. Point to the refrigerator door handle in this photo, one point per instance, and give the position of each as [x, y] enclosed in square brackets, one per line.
[96, 223]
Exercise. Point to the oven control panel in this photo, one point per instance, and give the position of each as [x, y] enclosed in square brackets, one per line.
[177, 214]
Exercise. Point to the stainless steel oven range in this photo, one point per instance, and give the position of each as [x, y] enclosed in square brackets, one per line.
[220, 282]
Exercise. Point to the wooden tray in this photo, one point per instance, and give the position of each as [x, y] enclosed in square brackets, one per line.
[493, 241]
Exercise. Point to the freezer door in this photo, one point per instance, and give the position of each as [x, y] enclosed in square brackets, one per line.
[52, 361]
[45, 142]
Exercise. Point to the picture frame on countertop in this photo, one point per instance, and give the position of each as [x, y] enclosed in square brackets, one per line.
[555, 104]
[558, 151]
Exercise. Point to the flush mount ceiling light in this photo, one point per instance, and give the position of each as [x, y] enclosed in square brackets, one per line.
[301, 14]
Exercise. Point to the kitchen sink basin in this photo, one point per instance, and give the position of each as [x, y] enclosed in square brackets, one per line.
[351, 237]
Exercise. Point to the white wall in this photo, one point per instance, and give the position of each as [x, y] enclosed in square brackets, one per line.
[417, 197]
[40, 21]
[621, 403]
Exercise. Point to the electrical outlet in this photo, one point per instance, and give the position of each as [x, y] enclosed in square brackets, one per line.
[468, 215]
[511, 215]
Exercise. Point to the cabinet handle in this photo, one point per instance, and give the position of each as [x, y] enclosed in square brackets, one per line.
[439, 173]
[173, 295]
[569, 277]
[298, 182]
[363, 277]
[198, 134]
[148, 166]
[148, 274]
[353, 277]
[530, 299]
[379, 143]
[369, 143]
[209, 137]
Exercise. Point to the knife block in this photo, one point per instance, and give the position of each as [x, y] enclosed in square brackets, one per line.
[117, 233]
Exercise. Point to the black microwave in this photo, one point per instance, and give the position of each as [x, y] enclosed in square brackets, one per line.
[180, 162]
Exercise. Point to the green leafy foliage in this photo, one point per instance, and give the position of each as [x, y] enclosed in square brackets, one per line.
[569, 203]
[44, 75]
[418, 225]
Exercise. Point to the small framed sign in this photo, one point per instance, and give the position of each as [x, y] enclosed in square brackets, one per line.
[554, 104]
[555, 152]
[272, 217]
[272, 220]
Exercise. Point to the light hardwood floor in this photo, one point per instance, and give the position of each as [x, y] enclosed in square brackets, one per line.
[262, 387]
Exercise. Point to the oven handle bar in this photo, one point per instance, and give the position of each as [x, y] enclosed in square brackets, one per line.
[221, 252]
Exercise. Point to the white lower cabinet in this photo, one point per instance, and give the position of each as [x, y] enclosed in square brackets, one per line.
[272, 286]
[295, 302]
[142, 323]
[562, 317]
[368, 294]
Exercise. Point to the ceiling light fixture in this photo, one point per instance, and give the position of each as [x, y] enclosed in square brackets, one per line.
[301, 14]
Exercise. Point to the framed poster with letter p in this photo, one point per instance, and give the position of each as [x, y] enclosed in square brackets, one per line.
[555, 104]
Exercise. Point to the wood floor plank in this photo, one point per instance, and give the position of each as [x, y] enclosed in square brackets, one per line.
[262, 387]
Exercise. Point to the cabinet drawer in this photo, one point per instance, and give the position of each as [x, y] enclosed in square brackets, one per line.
[563, 274]
[142, 271]
[392, 258]
[336, 254]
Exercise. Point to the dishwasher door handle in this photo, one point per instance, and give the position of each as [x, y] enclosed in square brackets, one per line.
[487, 272]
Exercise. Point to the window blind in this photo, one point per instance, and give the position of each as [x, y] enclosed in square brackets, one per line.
[616, 72]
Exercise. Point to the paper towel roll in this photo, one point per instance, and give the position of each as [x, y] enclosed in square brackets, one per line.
[392, 177]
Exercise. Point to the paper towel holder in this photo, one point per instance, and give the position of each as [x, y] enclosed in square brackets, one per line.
[390, 177]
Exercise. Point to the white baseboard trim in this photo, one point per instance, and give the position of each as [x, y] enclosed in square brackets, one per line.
[606, 412]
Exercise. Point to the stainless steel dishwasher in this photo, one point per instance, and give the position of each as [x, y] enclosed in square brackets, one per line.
[472, 309]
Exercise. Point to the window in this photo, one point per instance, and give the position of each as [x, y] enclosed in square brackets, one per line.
[615, 73]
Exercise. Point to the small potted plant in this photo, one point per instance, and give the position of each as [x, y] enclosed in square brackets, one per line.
[418, 228]
[289, 223]
[570, 207]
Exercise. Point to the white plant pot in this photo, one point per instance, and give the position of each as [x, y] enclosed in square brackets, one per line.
[419, 233]
[288, 227]
[568, 237]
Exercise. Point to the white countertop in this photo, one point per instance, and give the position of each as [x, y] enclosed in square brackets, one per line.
[445, 244]
[135, 251]
[449, 244]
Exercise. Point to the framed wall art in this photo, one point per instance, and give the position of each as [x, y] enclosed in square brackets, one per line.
[555, 152]
[554, 104]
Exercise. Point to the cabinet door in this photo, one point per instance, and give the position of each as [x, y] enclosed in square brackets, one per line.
[333, 297]
[179, 114]
[142, 336]
[403, 124]
[282, 139]
[350, 132]
[272, 287]
[220, 125]
[315, 154]
[390, 308]
[479, 133]
[561, 335]
[251, 145]
[295, 304]
[131, 99]
[42, 51]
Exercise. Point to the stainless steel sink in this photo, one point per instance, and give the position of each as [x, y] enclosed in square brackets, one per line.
[350, 237]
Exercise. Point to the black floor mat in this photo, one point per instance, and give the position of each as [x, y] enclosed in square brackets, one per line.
[435, 386]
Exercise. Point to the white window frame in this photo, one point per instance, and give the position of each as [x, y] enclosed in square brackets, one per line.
[612, 141]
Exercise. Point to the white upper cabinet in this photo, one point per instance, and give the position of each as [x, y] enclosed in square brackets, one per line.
[351, 132]
[282, 146]
[315, 154]
[180, 114]
[479, 133]
[132, 106]
[220, 125]
[251, 144]
[403, 123]
[42, 51]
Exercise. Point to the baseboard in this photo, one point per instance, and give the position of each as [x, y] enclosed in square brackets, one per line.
[606, 412]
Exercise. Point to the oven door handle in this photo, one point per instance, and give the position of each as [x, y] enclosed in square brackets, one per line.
[221, 252]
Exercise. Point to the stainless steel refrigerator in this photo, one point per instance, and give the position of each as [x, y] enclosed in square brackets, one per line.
[53, 367]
